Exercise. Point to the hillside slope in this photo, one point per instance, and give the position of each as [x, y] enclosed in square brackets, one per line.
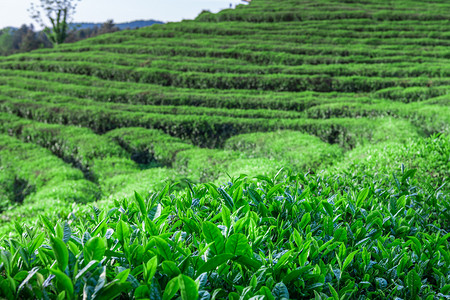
[349, 73]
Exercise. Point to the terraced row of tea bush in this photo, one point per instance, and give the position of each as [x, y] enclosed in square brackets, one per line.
[281, 150]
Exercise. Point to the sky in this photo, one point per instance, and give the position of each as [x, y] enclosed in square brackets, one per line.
[14, 12]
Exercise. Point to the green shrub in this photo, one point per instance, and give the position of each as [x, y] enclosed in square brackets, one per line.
[147, 146]
[290, 235]
[430, 156]
[295, 149]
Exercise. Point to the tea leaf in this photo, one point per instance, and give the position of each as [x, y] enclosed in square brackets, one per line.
[228, 201]
[94, 249]
[64, 280]
[60, 251]
[237, 244]
[214, 262]
[280, 291]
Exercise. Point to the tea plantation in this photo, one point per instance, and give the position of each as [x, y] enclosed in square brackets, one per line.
[293, 149]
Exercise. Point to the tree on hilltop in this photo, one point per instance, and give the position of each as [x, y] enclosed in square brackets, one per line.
[59, 13]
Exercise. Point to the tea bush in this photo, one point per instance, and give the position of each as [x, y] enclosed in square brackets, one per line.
[286, 149]
[286, 236]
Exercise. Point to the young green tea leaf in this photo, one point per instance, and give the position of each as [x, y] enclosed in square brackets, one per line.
[60, 251]
[123, 232]
[362, 196]
[94, 249]
[305, 220]
[265, 291]
[150, 269]
[64, 280]
[170, 268]
[188, 288]
[141, 204]
[213, 235]
[237, 244]
[214, 262]
[349, 259]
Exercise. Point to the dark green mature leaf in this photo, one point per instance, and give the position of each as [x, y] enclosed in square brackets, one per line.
[27, 279]
[227, 200]
[6, 259]
[204, 295]
[6, 290]
[113, 290]
[280, 291]
[60, 251]
[155, 291]
[413, 282]
[446, 289]
[94, 249]
[101, 282]
[67, 233]
[192, 225]
[295, 274]
[254, 196]
[237, 244]
[381, 283]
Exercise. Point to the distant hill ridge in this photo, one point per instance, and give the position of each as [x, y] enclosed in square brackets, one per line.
[121, 26]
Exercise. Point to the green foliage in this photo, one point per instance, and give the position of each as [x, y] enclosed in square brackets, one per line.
[148, 146]
[298, 150]
[170, 244]
[430, 157]
[128, 161]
